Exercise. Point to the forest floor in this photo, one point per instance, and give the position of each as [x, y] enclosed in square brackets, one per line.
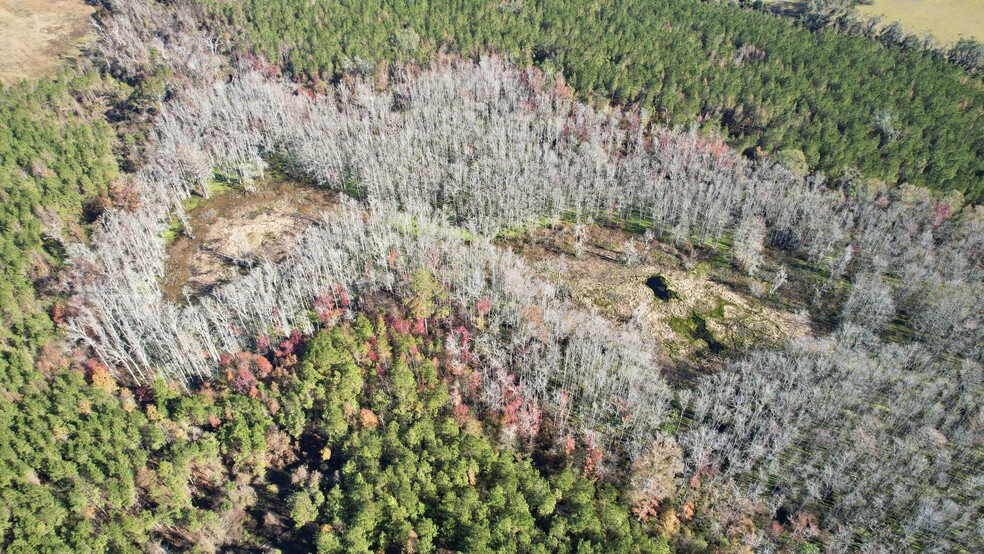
[35, 36]
[235, 228]
[947, 20]
[704, 322]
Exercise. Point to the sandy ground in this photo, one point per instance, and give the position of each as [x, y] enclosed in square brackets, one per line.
[35, 35]
[235, 229]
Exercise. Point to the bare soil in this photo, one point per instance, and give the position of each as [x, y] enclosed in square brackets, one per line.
[232, 231]
[703, 323]
[37, 35]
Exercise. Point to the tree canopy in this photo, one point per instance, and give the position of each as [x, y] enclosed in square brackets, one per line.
[767, 82]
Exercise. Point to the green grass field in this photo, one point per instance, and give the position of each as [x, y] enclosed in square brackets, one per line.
[947, 20]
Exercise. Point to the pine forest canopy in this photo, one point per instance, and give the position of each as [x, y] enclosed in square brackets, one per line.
[847, 102]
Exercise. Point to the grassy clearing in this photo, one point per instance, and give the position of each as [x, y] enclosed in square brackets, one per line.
[234, 227]
[947, 20]
[35, 35]
[703, 319]
[217, 187]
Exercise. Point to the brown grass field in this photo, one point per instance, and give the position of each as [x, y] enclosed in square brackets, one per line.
[947, 20]
[36, 36]
[237, 225]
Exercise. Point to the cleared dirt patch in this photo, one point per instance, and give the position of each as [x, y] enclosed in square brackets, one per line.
[696, 322]
[35, 35]
[231, 231]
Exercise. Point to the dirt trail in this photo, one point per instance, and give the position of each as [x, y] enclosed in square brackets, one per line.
[36, 34]
[235, 229]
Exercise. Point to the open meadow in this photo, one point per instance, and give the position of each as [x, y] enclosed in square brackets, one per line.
[35, 35]
[947, 20]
